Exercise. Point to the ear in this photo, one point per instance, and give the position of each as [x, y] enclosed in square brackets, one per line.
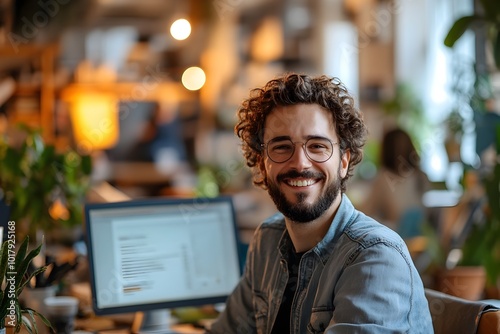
[344, 163]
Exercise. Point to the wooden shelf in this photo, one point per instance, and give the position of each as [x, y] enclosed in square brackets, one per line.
[38, 112]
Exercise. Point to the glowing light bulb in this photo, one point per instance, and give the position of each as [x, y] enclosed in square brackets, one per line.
[180, 29]
[193, 78]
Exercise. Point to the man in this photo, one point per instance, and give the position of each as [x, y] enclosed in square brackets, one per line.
[319, 266]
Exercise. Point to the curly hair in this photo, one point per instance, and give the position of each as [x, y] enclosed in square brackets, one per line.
[291, 89]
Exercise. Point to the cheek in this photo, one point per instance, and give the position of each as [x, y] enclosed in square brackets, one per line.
[270, 170]
[264, 169]
[267, 168]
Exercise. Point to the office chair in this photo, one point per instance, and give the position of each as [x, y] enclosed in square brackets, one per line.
[451, 315]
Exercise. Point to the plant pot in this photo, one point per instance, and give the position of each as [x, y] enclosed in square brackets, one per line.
[492, 292]
[463, 282]
[33, 298]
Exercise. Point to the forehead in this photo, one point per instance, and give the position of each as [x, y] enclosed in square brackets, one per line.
[299, 121]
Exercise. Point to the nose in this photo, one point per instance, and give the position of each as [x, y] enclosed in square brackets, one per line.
[299, 158]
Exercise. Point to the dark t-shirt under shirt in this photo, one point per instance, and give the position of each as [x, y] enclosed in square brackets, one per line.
[282, 322]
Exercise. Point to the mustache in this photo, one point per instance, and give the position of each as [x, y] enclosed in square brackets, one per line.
[296, 174]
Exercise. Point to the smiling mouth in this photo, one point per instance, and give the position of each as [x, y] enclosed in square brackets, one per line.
[300, 183]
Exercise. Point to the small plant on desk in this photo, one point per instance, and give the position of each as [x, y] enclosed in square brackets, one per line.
[14, 277]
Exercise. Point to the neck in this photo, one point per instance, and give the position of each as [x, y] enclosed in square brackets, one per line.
[306, 235]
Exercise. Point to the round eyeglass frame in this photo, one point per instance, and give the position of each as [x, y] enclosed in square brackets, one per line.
[303, 144]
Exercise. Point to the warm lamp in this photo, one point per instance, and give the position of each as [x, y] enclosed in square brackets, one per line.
[95, 120]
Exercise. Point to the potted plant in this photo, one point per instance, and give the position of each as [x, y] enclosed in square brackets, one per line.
[44, 188]
[46, 283]
[14, 279]
[482, 243]
[454, 265]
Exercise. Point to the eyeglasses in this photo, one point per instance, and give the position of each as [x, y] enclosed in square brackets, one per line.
[282, 150]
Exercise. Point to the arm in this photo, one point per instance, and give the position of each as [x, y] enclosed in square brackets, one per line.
[379, 292]
[238, 315]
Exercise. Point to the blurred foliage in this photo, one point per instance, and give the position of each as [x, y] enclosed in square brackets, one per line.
[43, 188]
[455, 123]
[489, 19]
[483, 242]
[407, 109]
[207, 185]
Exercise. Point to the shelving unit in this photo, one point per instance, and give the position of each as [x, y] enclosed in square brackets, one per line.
[34, 99]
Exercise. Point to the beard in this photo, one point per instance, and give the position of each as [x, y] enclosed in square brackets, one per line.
[302, 212]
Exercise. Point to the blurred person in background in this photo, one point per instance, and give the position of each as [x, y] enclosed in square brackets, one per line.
[395, 195]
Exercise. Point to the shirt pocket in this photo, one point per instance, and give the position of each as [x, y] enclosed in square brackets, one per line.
[319, 321]
[261, 308]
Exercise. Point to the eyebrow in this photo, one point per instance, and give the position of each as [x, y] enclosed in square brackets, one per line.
[281, 138]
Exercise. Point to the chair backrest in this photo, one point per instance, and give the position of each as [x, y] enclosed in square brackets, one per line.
[489, 322]
[456, 315]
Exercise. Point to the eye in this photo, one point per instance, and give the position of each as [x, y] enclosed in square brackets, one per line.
[281, 147]
[318, 146]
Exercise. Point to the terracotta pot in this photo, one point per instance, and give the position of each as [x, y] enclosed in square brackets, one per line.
[464, 282]
[492, 292]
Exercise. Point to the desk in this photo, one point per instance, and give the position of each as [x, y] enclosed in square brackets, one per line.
[110, 325]
[122, 323]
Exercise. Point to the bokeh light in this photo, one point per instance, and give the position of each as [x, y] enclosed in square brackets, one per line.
[180, 29]
[193, 78]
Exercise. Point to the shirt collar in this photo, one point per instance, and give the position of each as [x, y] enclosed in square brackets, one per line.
[343, 218]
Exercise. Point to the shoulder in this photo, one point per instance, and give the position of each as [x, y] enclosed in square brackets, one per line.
[368, 244]
[366, 232]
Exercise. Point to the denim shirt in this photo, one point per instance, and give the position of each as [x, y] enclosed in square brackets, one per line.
[358, 279]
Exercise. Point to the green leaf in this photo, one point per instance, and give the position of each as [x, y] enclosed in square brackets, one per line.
[458, 29]
[3, 259]
[24, 264]
[48, 155]
[19, 320]
[42, 317]
[37, 143]
[12, 161]
[28, 279]
[21, 253]
[86, 164]
[3, 268]
[496, 48]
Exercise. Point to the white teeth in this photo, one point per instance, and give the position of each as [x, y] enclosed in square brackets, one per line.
[300, 183]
